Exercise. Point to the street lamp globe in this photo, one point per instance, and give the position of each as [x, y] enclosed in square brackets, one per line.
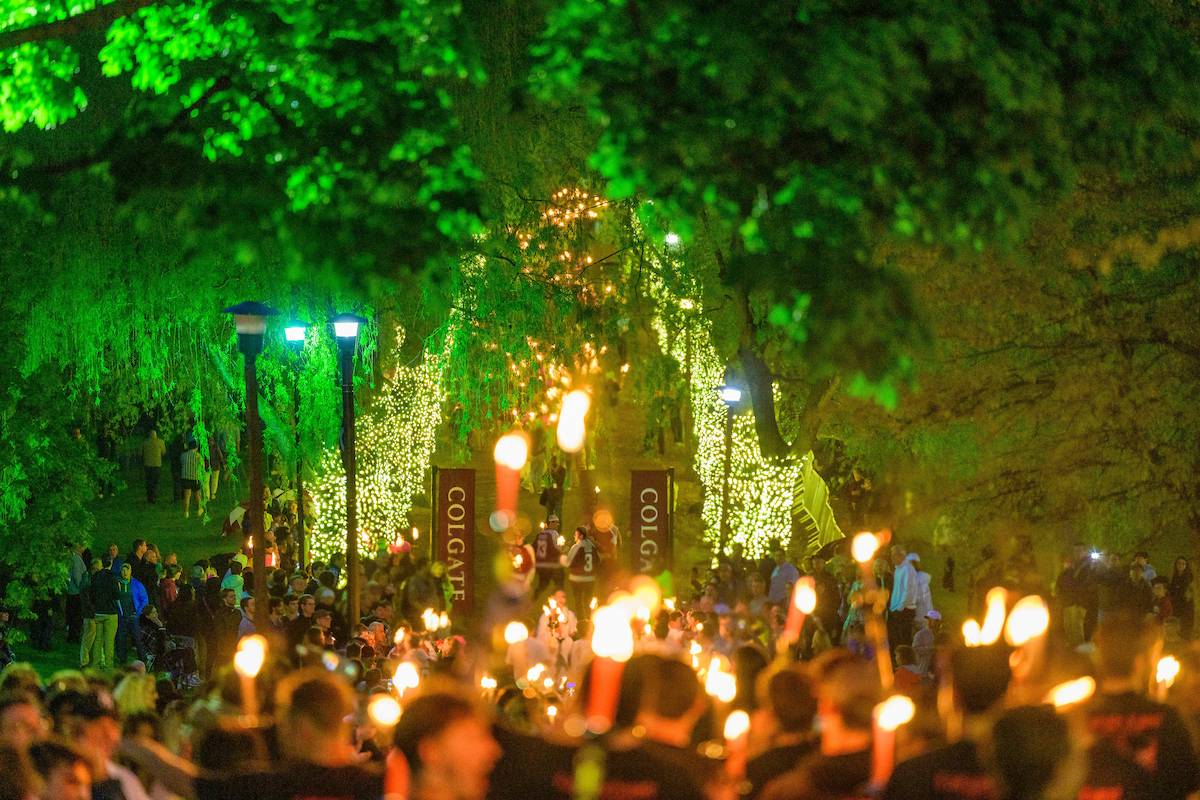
[294, 333]
[731, 395]
[250, 319]
[345, 327]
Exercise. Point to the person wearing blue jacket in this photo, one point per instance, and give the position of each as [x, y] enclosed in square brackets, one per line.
[131, 599]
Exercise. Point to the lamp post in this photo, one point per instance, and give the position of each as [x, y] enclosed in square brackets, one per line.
[294, 333]
[250, 318]
[730, 396]
[345, 330]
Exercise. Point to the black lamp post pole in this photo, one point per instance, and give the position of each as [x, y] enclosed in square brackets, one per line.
[725, 478]
[301, 537]
[254, 431]
[250, 318]
[346, 354]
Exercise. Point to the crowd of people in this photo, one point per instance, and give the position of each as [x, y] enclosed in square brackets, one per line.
[527, 697]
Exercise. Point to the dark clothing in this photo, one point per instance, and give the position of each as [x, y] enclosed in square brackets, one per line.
[900, 628]
[769, 765]
[1149, 736]
[821, 777]
[533, 769]
[108, 789]
[152, 481]
[105, 592]
[1180, 592]
[224, 633]
[295, 781]
[948, 773]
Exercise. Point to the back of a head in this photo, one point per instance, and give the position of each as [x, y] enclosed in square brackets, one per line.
[20, 782]
[317, 696]
[50, 755]
[789, 694]
[849, 685]
[1031, 742]
[670, 688]
[426, 716]
[227, 747]
[1121, 638]
[981, 676]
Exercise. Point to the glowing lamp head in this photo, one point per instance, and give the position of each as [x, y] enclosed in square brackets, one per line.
[515, 632]
[250, 656]
[729, 394]
[1029, 619]
[1072, 693]
[863, 547]
[512, 451]
[1167, 671]
[672, 239]
[383, 710]
[400, 636]
[294, 332]
[897, 710]
[487, 683]
[737, 725]
[345, 327]
[804, 596]
[250, 317]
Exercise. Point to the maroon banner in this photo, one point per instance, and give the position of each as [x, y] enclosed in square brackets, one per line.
[455, 533]
[650, 519]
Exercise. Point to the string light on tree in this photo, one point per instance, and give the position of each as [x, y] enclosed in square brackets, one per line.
[396, 437]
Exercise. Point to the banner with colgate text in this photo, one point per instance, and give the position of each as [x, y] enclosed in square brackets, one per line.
[454, 532]
[650, 505]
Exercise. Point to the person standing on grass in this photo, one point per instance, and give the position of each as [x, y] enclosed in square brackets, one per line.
[106, 590]
[131, 599]
[216, 463]
[191, 467]
[76, 576]
[87, 611]
[153, 450]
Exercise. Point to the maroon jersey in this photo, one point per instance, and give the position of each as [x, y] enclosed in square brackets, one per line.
[585, 562]
[545, 547]
[521, 562]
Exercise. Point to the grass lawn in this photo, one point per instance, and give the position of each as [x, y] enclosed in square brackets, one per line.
[126, 516]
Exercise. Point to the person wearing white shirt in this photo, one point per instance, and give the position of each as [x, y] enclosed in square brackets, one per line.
[924, 593]
[902, 607]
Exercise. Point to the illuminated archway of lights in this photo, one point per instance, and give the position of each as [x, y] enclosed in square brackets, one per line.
[395, 441]
[760, 491]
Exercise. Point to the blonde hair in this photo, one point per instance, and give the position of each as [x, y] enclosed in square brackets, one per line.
[136, 693]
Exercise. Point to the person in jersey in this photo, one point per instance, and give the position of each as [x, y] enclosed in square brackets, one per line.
[980, 677]
[521, 557]
[547, 550]
[607, 537]
[583, 565]
[1129, 730]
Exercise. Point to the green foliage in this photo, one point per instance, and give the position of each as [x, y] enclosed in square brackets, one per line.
[797, 139]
